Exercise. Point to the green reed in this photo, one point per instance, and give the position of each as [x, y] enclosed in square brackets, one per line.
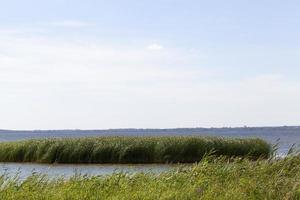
[213, 178]
[127, 149]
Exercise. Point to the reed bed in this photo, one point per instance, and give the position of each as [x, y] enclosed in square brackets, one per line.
[122, 149]
[212, 178]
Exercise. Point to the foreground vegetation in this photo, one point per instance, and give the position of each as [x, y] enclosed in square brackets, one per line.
[160, 149]
[212, 178]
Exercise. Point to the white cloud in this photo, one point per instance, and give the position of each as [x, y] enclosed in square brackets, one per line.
[46, 59]
[52, 83]
[155, 47]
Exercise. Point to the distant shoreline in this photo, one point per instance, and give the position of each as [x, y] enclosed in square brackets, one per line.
[155, 129]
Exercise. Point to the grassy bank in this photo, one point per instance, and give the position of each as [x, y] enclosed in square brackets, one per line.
[212, 178]
[167, 149]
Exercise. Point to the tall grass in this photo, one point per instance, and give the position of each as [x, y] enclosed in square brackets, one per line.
[164, 149]
[213, 178]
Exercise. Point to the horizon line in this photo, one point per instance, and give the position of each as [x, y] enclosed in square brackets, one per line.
[109, 129]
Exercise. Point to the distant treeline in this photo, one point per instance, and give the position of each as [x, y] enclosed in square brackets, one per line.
[245, 129]
[129, 149]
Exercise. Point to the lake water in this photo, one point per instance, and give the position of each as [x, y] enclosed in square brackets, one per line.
[285, 137]
[23, 170]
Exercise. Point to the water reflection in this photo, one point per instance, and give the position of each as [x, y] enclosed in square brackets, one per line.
[23, 170]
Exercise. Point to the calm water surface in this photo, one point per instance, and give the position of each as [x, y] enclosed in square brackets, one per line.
[23, 170]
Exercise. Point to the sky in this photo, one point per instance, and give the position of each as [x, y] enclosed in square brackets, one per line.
[98, 64]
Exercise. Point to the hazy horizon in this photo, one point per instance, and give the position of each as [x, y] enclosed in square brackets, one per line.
[155, 64]
[166, 128]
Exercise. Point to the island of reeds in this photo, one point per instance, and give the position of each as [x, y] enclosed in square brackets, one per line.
[129, 149]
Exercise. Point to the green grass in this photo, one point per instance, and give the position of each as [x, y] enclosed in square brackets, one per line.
[160, 149]
[212, 178]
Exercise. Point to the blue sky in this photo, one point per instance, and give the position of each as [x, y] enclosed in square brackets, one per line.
[149, 64]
